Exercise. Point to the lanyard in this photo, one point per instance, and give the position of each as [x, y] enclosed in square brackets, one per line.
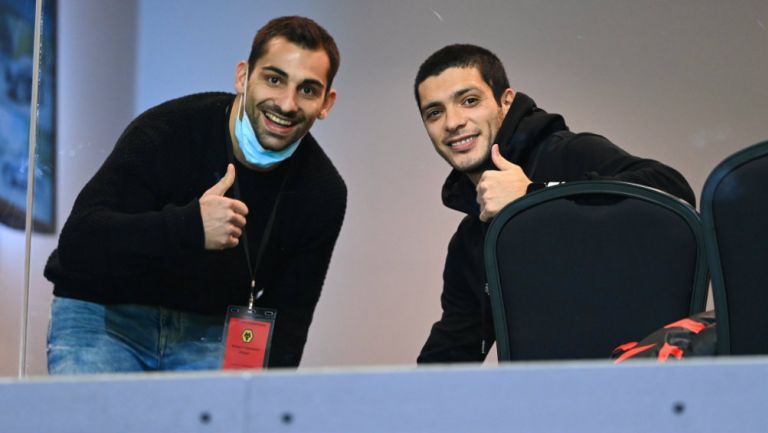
[253, 266]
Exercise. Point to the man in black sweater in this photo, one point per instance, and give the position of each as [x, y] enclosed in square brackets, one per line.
[501, 146]
[206, 201]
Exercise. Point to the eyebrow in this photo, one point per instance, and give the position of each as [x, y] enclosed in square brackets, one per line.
[455, 95]
[276, 70]
[282, 73]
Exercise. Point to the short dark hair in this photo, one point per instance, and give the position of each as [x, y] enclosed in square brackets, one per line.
[301, 31]
[464, 56]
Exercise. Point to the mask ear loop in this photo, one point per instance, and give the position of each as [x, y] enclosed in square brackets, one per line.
[245, 94]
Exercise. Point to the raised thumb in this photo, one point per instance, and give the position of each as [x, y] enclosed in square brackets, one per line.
[498, 160]
[221, 187]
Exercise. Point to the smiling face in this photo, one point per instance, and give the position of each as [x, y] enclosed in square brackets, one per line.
[287, 91]
[461, 116]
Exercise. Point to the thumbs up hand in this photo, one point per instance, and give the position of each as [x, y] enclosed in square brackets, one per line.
[496, 189]
[223, 217]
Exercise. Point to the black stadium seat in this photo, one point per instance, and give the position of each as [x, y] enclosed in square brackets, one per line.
[734, 212]
[577, 269]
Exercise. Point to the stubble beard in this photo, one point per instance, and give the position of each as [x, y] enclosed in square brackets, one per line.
[484, 163]
[266, 137]
[478, 166]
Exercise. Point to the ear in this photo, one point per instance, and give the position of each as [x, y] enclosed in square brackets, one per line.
[240, 71]
[330, 99]
[506, 100]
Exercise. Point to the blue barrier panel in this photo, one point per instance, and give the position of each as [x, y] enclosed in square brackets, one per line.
[717, 395]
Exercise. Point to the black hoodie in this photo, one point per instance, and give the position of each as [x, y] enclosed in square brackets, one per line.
[541, 144]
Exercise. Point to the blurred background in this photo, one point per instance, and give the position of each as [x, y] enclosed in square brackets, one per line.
[680, 81]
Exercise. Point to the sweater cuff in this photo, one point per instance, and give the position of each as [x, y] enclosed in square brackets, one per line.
[536, 186]
[185, 225]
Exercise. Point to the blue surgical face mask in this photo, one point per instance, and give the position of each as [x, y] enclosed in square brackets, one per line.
[253, 151]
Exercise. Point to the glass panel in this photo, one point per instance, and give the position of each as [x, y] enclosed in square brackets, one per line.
[680, 82]
[17, 27]
[47, 223]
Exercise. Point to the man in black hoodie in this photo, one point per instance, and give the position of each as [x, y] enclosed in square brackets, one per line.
[501, 146]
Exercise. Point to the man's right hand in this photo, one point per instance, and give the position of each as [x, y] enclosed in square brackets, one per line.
[223, 217]
[496, 189]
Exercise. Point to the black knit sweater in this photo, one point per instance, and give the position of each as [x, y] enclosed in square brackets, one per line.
[135, 234]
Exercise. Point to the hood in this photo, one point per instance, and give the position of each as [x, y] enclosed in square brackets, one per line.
[523, 128]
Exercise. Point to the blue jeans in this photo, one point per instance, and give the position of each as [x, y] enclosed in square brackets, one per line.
[85, 337]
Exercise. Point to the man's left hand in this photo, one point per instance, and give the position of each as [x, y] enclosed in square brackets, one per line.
[496, 189]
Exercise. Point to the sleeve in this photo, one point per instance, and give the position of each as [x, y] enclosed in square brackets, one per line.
[601, 159]
[458, 335]
[300, 278]
[122, 222]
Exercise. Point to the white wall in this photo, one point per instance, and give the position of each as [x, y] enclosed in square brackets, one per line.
[679, 81]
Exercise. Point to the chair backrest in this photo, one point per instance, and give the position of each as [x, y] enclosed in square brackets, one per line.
[734, 211]
[577, 269]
